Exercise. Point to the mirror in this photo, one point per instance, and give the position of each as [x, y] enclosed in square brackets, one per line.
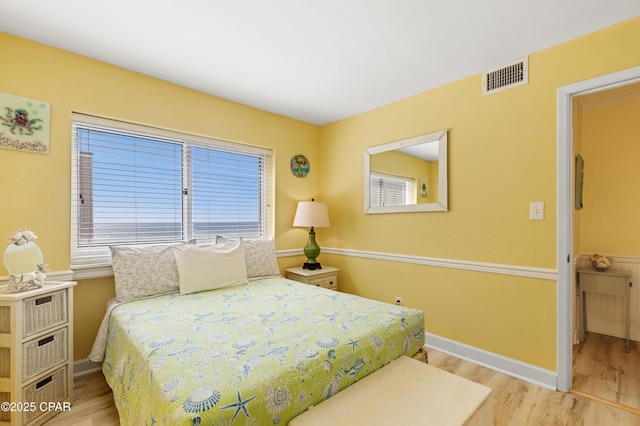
[24, 261]
[409, 175]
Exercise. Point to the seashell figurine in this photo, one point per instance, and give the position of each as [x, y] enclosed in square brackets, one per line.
[22, 237]
[600, 262]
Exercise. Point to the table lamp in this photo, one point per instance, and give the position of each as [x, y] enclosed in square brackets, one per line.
[314, 214]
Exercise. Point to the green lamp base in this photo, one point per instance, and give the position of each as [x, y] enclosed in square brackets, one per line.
[312, 251]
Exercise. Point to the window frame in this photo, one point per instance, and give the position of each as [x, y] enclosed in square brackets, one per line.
[91, 261]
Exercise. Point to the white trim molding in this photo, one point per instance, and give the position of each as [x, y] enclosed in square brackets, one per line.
[502, 364]
[467, 265]
[509, 366]
[290, 253]
[89, 272]
[584, 259]
[59, 276]
[565, 156]
[84, 366]
[493, 268]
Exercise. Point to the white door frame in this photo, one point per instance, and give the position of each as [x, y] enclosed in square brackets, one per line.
[565, 209]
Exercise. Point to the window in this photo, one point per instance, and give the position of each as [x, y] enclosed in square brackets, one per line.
[389, 190]
[140, 185]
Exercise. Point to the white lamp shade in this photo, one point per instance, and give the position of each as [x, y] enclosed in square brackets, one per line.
[311, 213]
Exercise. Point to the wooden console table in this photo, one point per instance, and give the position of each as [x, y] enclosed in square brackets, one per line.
[613, 283]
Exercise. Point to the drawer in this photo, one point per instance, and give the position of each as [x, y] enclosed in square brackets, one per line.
[50, 388]
[44, 311]
[42, 353]
[330, 282]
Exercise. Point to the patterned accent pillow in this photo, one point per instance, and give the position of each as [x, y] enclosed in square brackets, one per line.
[259, 255]
[143, 271]
[210, 267]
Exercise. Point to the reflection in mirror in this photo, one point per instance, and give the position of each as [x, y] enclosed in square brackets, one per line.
[407, 176]
[24, 261]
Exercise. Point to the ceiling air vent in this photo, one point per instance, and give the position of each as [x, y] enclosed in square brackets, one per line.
[506, 76]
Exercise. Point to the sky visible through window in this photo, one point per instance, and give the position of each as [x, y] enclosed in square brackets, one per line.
[137, 186]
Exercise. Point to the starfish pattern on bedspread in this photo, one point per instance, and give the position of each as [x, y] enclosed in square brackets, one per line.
[239, 405]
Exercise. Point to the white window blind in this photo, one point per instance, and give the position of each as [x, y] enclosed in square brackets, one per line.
[388, 190]
[139, 185]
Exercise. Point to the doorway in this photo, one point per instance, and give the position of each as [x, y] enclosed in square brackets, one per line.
[605, 135]
[566, 155]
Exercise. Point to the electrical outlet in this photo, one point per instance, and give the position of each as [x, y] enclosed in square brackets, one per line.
[398, 300]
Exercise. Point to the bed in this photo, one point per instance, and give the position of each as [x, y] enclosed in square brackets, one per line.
[259, 352]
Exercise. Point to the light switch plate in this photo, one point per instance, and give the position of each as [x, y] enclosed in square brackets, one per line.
[536, 211]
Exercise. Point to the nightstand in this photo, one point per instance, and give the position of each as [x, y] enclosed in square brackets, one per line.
[327, 277]
[36, 353]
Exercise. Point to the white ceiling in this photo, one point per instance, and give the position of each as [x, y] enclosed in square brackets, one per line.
[314, 60]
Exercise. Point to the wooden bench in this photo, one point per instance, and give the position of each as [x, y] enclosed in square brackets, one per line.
[405, 392]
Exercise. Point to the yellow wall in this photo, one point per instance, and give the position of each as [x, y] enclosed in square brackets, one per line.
[433, 184]
[35, 188]
[502, 156]
[610, 147]
[399, 164]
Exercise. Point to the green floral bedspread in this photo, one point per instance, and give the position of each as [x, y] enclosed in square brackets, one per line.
[256, 354]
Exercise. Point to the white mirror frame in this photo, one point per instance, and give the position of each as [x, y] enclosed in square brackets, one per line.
[441, 205]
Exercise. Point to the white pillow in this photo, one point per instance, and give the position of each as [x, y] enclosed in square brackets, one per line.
[143, 271]
[259, 256]
[210, 267]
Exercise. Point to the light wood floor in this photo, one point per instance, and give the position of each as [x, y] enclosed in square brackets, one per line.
[92, 404]
[602, 368]
[516, 403]
[519, 403]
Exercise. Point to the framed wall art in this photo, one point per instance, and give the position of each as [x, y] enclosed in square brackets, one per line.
[300, 165]
[424, 190]
[24, 123]
[579, 181]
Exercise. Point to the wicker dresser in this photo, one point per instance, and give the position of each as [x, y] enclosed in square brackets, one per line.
[36, 353]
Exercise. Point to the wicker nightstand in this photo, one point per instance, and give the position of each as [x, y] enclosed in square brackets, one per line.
[327, 277]
[36, 353]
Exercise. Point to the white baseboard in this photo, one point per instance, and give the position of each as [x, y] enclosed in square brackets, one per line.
[511, 367]
[84, 366]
